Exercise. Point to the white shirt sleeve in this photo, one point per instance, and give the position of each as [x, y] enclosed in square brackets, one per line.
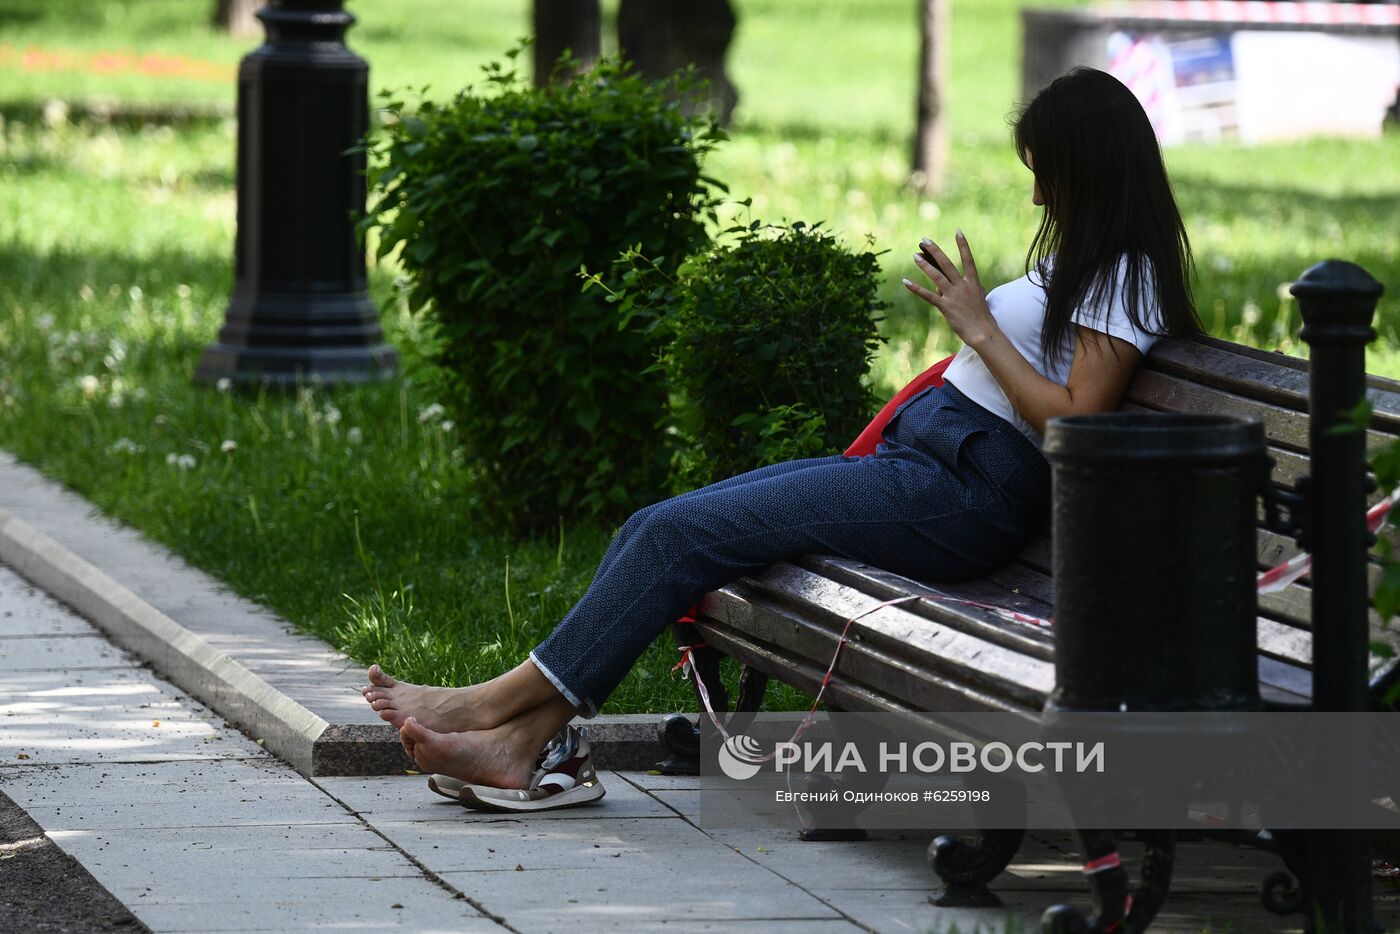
[1117, 322]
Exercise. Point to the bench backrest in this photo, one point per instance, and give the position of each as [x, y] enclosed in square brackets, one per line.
[1207, 375]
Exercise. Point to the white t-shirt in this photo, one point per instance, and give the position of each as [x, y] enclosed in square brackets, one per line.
[1019, 308]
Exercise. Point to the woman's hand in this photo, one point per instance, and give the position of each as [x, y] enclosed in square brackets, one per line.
[959, 296]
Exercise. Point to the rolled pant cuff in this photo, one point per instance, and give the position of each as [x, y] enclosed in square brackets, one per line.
[591, 710]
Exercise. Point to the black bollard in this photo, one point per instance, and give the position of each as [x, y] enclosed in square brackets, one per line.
[300, 308]
[1155, 602]
[1155, 554]
[1338, 302]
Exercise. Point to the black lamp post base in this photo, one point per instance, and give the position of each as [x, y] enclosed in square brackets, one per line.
[292, 339]
[300, 310]
[289, 367]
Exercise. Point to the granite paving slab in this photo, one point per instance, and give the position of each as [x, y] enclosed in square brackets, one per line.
[684, 925]
[183, 860]
[162, 795]
[109, 715]
[407, 798]
[65, 652]
[898, 911]
[352, 904]
[596, 897]
[26, 612]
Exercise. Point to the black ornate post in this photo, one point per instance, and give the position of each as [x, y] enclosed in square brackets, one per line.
[300, 307]
[1338, 302]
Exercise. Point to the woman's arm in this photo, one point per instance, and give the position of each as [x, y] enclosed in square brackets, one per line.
[1098, 376]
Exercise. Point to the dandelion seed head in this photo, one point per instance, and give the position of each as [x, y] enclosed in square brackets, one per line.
[229, 446]
[224, 384]
[431, 413]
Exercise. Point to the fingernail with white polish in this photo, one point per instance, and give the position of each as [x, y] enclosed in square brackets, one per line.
[960, 234]
[906, 281]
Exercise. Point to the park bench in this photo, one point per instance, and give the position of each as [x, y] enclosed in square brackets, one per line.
[931, 654]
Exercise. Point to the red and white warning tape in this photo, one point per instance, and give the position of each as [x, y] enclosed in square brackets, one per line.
[1277, 578]
[688, 667]
[1258, 11]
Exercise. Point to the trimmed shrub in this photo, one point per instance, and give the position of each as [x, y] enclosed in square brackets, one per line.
[496, 199]
[772, 338]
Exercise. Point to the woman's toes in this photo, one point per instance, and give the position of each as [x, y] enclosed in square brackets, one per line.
[379, 678]
[411, 733]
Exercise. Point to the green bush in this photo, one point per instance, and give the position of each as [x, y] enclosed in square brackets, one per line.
[772, 338]
[497, 198]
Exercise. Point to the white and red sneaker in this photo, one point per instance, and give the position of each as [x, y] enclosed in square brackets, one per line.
[564, 778]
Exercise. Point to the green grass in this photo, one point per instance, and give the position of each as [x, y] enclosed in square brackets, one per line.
[344, 511]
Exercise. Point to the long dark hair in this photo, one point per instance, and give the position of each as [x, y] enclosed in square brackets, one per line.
[1109, 210]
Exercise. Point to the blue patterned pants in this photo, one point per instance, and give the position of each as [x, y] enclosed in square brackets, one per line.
[952, 493]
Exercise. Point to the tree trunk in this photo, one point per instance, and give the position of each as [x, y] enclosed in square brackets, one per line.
[236, 17]
[931, 126]
[576, 25]
[662, 38]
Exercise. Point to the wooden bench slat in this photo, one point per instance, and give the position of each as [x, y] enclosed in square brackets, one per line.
[1267, 375]
[975, 621]
[1285, 428]
[993, 668]
[800, 674]
[1283, 683]
[805, 635]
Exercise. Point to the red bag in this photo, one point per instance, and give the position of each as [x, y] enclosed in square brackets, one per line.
[874, 433]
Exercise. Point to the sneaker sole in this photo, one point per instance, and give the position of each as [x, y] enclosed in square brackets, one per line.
[486, 798]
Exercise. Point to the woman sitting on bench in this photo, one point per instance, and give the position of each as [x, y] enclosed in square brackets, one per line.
[957, 486]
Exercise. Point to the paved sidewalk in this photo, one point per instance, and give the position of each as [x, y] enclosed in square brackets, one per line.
[194, 827]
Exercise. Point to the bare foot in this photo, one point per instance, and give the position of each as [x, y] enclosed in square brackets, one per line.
[498, 757]
[449, 710]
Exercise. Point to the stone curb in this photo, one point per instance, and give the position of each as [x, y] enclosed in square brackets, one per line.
[288, 729]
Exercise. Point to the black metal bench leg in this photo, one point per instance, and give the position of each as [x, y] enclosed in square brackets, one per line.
[816, 831]
[678, 735]
[1116, 908]
[966, 864]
